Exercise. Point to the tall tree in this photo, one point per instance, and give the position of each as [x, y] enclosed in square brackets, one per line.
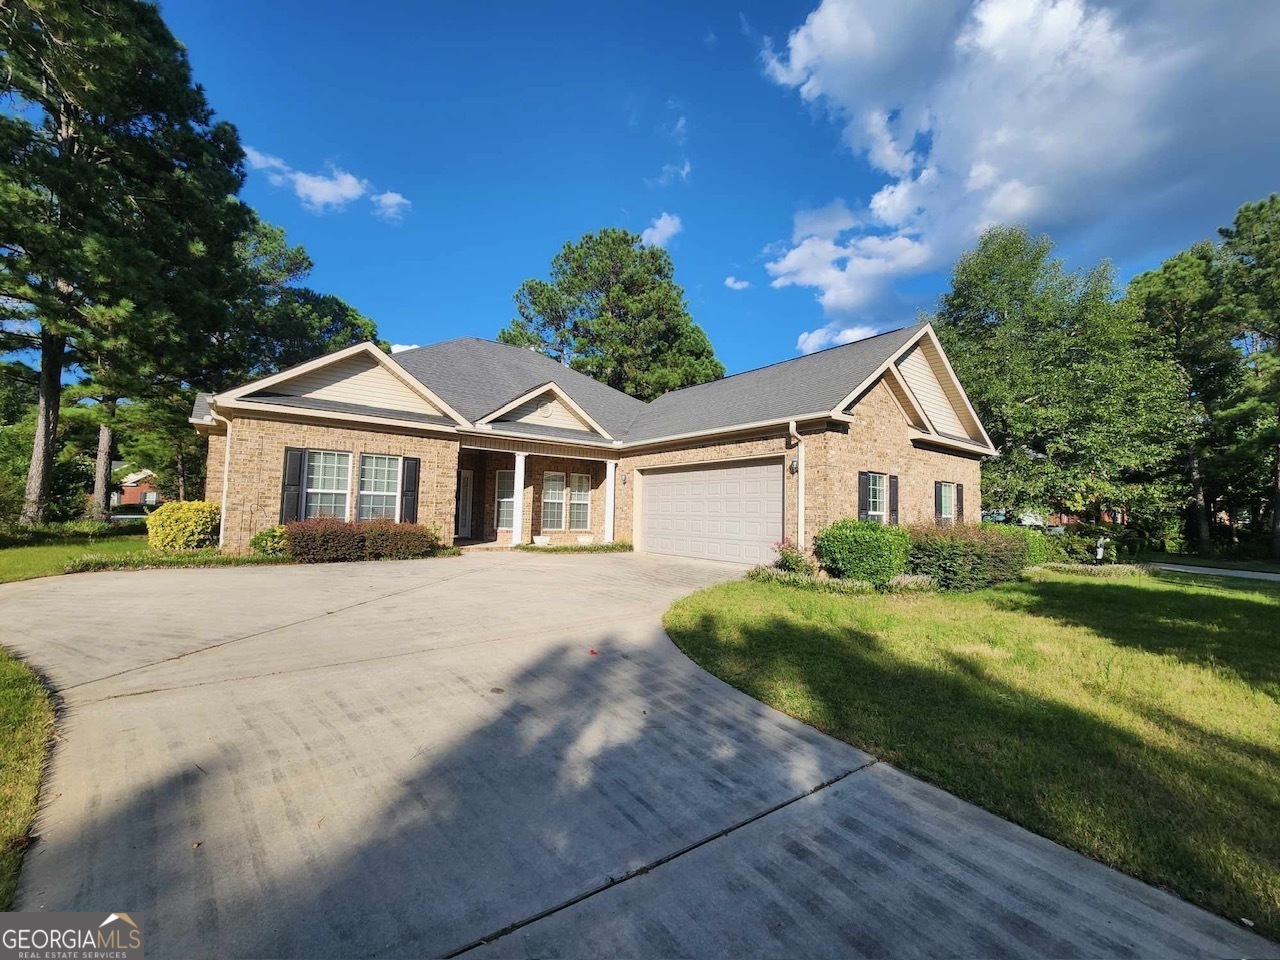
[1079, 405]
[613, 311]
[1183, 304]
[1252, 244]
[114, 185]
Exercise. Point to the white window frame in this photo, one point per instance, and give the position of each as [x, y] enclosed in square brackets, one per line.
[361, 492]
[948, 489]
[882, 516]
[307, 490]
[498, 499]
[571, 493]
[562, 502]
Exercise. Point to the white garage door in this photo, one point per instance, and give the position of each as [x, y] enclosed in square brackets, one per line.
[730, 511]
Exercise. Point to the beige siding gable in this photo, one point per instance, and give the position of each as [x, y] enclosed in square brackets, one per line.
[358, 379]
[937, 393]
[545, 410]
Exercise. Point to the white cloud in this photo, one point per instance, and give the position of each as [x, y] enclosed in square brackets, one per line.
[390, 206]
[321, 192]
[661, 230]
[401, 347]
[710, 39]
[832, 335]
[680, 132]
[733, 283]
[1072, 116]
[671, 173]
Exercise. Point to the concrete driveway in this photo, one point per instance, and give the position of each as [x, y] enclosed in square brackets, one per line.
[502, 754]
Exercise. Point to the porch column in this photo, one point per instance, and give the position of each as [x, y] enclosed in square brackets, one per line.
[517, 501]
[610, 470]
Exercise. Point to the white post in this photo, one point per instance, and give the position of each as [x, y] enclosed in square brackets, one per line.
[517, 504]
[801, 545]
[610, 471]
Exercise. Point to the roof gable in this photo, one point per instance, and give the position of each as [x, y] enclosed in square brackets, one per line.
[546, 406]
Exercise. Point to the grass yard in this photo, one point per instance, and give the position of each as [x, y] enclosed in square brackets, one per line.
[1260, 566]
[23, 563]
[26, 719]
[1136, 721]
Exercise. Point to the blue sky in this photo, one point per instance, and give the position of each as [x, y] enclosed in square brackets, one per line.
[834, 157]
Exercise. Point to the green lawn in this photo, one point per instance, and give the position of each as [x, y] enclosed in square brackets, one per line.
[1133, 720]
[26, 719]
[23, 563]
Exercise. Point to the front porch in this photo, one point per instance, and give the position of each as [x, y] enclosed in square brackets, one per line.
[507, 497]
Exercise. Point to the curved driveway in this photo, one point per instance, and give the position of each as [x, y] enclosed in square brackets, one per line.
[501, 754]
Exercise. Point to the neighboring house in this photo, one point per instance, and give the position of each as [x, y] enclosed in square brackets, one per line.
[137, 489]
[490, 442]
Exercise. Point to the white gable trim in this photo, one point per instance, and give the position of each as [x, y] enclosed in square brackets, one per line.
[251, 407]
[894, 373]
[359, 349]
[940, 440]
[553, 388]
[926, 333]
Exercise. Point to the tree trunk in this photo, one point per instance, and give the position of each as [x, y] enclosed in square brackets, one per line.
[182, 474]
[1201, 506]
[1275, 507]
[35, 505]
[100, 507]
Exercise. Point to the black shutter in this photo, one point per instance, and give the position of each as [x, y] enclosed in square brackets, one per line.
[959, 503]
[893, 499]
[295, 459]
[864, 492]
[937, 501]
[409, 470]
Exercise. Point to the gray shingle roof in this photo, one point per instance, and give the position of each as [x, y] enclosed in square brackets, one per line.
[791, 388]
[200, 409]
[338, 406]
[476, 377]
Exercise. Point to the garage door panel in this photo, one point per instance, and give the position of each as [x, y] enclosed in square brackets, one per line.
[727, 511]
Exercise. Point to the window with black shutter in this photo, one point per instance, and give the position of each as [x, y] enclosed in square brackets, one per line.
[295, 459]
[864, 488]
[410, 468]
[893, 499]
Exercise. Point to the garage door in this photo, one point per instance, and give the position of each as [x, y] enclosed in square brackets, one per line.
[730, 511]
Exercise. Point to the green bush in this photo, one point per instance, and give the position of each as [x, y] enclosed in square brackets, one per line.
[793, 560]
[792, 579]
[1041, 547]
[183, 525]
[961, 557]
[862, 550]
[327, 540]
[617, 546]
[151, 560]
[269, 542]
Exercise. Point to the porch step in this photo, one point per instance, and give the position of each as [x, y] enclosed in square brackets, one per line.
[479, 547]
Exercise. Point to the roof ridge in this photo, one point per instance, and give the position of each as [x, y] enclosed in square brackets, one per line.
[803, 356]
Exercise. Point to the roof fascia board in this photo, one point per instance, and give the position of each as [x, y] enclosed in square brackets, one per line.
[944, 441]
[553, 388]
[901, 381]
[733, 428]
[879, 371]
[973, 414]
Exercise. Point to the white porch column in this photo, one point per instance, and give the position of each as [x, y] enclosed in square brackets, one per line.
[517, 501]
[610, 472]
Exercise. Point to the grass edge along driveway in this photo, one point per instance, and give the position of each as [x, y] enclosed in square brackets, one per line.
[1135, 721]
[26, 724]
[47, 559]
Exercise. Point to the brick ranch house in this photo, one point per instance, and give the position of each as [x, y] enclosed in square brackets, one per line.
[489, 442]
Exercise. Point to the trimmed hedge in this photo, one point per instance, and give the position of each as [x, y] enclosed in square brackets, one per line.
[617, 546]
[863, 550]
[151, 560]
[962, 557]
[327, 540]
[183, 525]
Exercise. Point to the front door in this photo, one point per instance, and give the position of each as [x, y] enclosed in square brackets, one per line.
[464, 504]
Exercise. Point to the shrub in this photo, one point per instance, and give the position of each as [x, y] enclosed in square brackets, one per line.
[1041, 547]
[791, 579]
[862, 550]
[912, 583]
[86, 528]
[328, 540]
[962, 557]
[1109, 571]
[793, 560]
[388, 540]
[151, 560]
[269, 542]
[183, 525]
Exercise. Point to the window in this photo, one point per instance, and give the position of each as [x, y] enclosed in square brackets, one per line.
[379, 496]
[328, 482]
[876, 496]
[580, 501]
[553, 501]
[505, 507]
[946, 502]
[150, 498]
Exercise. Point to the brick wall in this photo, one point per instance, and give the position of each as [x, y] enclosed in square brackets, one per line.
[213, 467]
[257, 466]
[488, 463]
